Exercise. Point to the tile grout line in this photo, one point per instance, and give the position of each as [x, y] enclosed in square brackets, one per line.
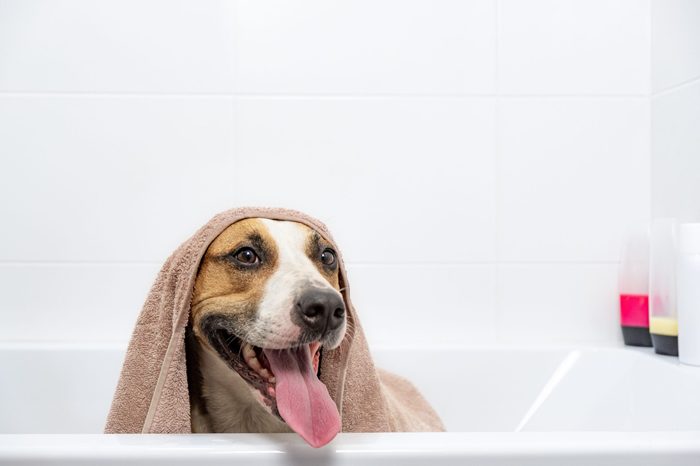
[496, 289]
[332, 96]
[650, 137]
[349, 264]
[71, 263]
[485, 263]
[650, 70]
[236, 129]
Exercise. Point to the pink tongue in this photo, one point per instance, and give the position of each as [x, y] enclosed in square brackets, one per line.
[302, 399]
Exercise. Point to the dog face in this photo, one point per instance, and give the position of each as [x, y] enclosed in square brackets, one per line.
[267, 285]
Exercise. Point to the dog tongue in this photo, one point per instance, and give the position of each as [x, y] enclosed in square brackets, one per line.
[302, 399]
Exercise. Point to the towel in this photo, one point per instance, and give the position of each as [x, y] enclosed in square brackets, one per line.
[152, 394]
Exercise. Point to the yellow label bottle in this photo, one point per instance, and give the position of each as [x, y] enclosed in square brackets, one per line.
[663, 318]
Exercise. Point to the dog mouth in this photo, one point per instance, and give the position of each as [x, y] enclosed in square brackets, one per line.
[252, 363]
[287, 381]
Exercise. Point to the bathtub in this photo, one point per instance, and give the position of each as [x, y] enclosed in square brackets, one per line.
[502, 406]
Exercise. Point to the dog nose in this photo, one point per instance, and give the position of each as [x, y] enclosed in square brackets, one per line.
[321, 310]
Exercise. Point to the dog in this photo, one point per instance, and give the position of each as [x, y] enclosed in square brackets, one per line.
[266, 303]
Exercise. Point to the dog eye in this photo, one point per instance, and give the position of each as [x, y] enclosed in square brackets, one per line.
[328, 257]
[246, 256]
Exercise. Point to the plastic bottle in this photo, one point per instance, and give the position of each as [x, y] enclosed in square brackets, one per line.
[688, 294]
[633, 288]
[663, 318]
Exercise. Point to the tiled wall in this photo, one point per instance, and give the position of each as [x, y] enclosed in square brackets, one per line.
[477, 160]
[676, 109]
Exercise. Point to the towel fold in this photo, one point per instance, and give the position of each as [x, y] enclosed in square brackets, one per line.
[152, 394]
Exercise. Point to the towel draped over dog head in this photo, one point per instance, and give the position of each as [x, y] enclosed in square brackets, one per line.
[152, 395]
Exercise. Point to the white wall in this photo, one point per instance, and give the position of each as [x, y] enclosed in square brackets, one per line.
[477, 160]
[676, 109]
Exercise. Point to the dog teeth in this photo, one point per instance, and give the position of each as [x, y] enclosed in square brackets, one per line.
[254, 363]
[314, 347]
[248, 352]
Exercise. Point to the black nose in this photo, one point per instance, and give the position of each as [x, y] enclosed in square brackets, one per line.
[321, 310]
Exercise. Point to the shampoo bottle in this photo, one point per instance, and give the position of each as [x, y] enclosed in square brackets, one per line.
[633, 288]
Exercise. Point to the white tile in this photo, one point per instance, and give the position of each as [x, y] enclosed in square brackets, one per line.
[675, 34]
[90, 179]
[126, 46]
[574, 47]
[425, 306]
[366, 46]
[397, 180]
[573, 177]
[73, 302]
[676, 154]
[560, 303]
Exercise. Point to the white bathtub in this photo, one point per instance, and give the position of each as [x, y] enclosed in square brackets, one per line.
[502, 406]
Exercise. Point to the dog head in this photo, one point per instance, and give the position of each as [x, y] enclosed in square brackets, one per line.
[267, 301]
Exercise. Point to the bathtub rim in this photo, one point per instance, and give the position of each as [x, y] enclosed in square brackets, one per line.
[18, 447]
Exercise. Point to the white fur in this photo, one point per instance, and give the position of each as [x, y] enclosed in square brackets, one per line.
[294, 272]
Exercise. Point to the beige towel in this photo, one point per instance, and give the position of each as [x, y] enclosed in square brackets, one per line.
[152, 394]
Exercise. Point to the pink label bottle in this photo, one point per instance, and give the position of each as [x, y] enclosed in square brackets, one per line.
[633, 286]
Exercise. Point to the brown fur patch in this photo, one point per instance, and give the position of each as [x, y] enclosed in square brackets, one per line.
[223, 288]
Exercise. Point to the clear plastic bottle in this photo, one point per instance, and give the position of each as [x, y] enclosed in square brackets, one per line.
[633, 288]
[688, 294]
[663, 317]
